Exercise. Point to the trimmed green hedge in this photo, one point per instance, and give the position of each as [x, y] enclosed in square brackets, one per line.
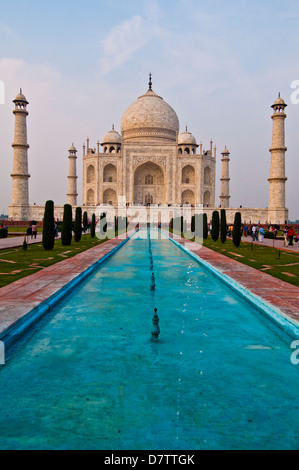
[3, 232]
[269, 234]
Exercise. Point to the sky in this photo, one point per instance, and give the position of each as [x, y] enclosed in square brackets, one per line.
[219, 63]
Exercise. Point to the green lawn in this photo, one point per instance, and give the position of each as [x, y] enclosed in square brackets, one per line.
[21, 229]
[15, 263]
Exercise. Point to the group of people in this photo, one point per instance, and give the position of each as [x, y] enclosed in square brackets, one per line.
[258, 233]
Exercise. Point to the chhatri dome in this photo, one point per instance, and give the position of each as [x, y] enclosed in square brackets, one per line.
[186, 138]
[20, 97]
[149, 117]
[279, 102]
[112, 137]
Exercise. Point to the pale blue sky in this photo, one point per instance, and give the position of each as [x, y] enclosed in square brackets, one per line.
[219, 64]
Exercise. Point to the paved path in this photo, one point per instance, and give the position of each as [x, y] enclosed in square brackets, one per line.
[279, 244]
[14, 242]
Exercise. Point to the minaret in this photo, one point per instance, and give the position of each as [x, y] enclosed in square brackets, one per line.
[224, 196]
[20, 176]
[277, 210]
[72, 177]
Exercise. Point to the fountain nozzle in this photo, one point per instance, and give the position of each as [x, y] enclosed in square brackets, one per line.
[153, 284]
[155, 328]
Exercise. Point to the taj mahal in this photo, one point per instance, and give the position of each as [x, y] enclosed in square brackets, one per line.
[149, 162]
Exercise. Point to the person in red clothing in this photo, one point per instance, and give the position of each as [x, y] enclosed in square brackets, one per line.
[291, 234]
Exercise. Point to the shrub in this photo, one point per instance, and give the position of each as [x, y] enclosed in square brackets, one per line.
[78, 224]
[66, 232]
[215, 226]
[3, 232]
[237, 229]
[223, 226]
[269, 234]
[48, 226]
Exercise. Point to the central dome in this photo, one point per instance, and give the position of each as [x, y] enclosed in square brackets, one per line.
[149, 117]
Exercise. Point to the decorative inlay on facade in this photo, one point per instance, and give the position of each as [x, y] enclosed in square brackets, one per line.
[159, 160]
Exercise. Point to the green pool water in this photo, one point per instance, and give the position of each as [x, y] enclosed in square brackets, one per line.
[89, 375]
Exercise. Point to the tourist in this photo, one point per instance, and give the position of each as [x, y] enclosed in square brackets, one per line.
[245, 230]
[291, 234]
[33, 230]
[285, 240]
[56, 229]
[253, 230]
[261, 234]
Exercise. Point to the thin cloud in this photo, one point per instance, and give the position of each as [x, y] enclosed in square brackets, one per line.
[123, 41]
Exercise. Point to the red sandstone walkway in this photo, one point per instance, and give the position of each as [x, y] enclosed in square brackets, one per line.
[20, 297]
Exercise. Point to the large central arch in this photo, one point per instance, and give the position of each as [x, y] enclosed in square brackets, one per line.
[149, 184]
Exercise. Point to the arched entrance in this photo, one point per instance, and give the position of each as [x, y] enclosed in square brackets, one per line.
[188, 197]
[109, 197]
[207, 198]
[110, 173]
[149, 187]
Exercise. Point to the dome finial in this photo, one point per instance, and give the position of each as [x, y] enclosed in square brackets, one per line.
[150, 82]
[279, 94]
[113, 127]
[186, 128]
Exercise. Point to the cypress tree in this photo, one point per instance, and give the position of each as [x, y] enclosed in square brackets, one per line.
[116, 225]
[48, 226]
[237, 229]
[78, 224]
[93, 226]
[215, 226]
[104, 227]
[205, 231]
[24, 244]
[193, 223]
[85, 221]
[223, 226]
[197, 227]
[67, 223]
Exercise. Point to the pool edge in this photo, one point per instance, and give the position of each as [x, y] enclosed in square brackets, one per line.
[272, 312]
